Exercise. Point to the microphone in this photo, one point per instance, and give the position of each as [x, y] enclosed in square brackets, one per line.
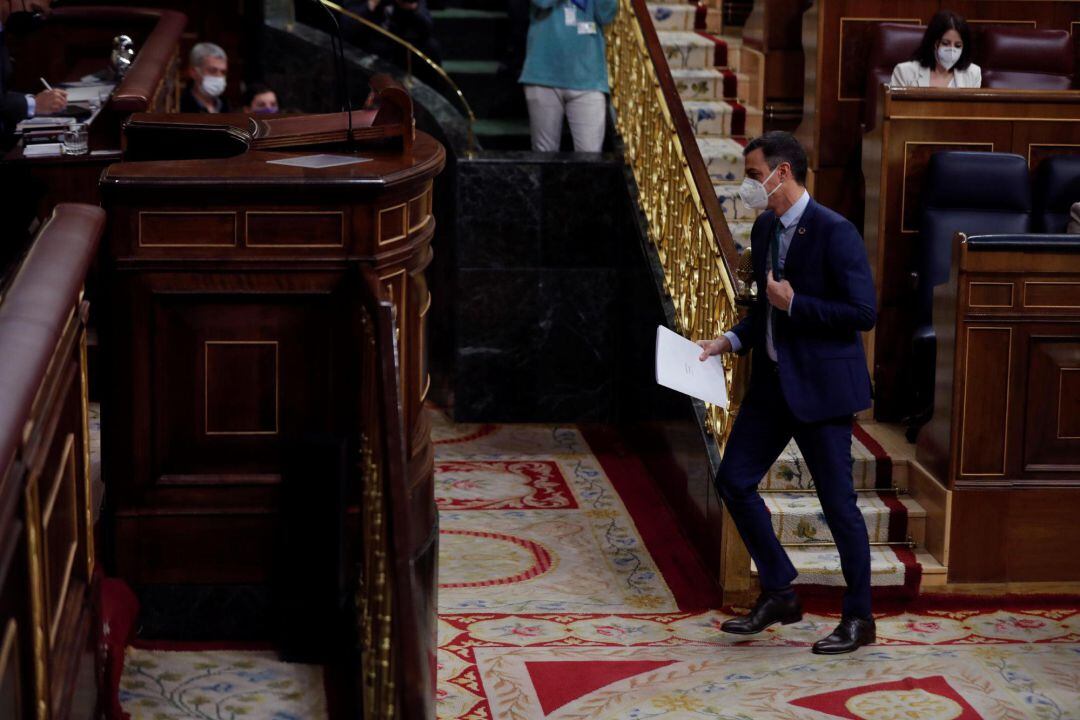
[340, 71]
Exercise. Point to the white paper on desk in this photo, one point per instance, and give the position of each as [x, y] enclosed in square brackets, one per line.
[321, 160]
[44, 122]
[678, 367]
[43, 150]
[88, 93]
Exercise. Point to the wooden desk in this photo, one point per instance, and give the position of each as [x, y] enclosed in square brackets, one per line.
[228, 334]
[47, 555]
[1005, 436]
[836, 36]
[912, 125]
[76, 41]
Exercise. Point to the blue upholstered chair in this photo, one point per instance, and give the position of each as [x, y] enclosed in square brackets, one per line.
[975, 193]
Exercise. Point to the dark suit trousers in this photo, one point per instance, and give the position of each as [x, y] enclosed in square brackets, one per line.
[762, 430]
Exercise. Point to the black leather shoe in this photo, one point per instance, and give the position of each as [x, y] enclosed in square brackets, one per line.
[768, 610]
[850, 635]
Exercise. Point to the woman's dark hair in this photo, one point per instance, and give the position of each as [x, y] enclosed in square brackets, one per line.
[941, 23]
[253, 91]
[778, 146]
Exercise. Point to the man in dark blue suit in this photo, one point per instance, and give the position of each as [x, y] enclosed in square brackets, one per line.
[808, 379]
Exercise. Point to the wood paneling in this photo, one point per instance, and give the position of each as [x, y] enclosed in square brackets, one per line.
[188, 229]
[912, 125]
[225, 352]
[991, 295]
[987, 370]
[1052, 440]
[284, 229]
[1004, 436]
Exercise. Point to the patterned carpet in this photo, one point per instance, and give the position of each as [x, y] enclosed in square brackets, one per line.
[219, 685]
[558, 602]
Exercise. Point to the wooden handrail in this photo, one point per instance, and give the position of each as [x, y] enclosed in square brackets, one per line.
[687, 139]
[685, 222]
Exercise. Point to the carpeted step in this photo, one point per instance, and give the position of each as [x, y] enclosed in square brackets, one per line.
[709, 83]
[723, 158]
[673, 16]
[735, 210]
[892, 568]
[503, 133]
[470, 34]
[872, 468]
[798, 519]
[723, 118]
[490, 93]
[687, 50]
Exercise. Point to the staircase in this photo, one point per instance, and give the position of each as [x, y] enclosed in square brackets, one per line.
[895, 523]
[721, 85]
[473, 35]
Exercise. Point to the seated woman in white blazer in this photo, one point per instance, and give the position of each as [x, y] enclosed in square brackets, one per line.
[943, 59]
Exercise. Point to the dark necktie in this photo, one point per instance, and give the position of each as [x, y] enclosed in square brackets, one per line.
[775, 247]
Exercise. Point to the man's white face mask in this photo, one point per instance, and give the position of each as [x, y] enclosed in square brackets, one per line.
[213, 86]
[753, 193]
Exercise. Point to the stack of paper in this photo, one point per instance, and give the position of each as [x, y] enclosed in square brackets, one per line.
[43, 150]
[44, 123]
[678, 367]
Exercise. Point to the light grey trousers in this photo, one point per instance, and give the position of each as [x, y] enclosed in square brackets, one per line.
[584, 110]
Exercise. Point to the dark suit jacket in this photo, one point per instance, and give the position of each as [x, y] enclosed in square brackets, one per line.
[12, 104]
[819, 348]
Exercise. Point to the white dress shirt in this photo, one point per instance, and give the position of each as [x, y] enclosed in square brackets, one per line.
[789, 221]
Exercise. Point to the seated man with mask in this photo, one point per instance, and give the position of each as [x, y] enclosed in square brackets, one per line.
[207, 66]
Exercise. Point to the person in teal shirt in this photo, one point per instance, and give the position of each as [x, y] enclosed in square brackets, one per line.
[565, 72]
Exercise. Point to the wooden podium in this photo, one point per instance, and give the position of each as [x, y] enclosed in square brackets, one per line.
[232, 290]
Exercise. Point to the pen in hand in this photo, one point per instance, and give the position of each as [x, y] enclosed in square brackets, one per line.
[47, 85]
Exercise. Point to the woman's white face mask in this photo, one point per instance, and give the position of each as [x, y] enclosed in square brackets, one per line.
[948, 55]
[753, 192]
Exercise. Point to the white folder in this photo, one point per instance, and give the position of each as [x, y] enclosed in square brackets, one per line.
[678, 367]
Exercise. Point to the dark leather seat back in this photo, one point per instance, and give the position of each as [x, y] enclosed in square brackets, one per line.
[1026, 58]
[1057, 187]
[977, 193]
[891, 44]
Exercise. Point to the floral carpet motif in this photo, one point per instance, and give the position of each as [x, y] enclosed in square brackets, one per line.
[560, 612]
[219, 685]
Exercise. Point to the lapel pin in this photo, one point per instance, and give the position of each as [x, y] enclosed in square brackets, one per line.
[802, 231]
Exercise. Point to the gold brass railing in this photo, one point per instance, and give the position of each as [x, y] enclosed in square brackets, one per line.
[412, 50]
[685, 222]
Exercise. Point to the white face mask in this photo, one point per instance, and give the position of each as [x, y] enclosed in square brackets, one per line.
[753, 193]
[948, 56]
[213, 86]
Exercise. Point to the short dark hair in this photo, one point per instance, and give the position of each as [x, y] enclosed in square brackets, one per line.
[253, 91]
[940, 24]
[778, 146]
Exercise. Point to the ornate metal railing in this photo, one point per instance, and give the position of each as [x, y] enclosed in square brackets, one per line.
[686, 224]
